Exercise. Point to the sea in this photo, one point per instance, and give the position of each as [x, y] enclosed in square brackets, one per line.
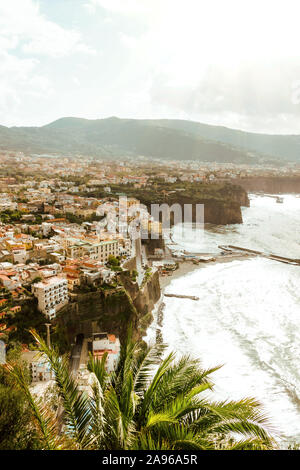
[247, 318]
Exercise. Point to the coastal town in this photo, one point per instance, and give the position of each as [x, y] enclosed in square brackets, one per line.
[57, 242]
[149, 230]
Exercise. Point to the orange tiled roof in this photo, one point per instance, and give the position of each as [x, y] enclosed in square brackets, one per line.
[112, 338]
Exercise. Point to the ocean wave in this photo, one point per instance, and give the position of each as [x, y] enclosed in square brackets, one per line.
[247, 316]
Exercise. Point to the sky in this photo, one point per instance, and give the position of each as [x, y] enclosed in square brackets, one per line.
[233, 63]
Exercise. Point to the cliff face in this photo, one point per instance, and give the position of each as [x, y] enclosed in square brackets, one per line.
[222, 213]
[111, 310]
[271, 184]
[221, 207]
[228, 209]
[143, 299]
[222, 202]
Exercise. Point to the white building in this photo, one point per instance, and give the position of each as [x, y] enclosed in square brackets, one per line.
[39, 366]
[107, 248]
[52, 295]
[95, 250]
[19, 256]
[106, 343]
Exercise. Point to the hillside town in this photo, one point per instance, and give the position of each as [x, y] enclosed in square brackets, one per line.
[56, 244]
[56, 239]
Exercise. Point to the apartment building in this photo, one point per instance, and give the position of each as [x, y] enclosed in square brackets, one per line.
[52, 295]
[107, 248]
[95, 250]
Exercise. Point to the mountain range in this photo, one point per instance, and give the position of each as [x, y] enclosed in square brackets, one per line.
[153, 138]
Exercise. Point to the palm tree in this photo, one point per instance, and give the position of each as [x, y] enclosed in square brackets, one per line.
[147, 403]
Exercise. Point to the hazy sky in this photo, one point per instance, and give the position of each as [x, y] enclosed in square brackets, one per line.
[229, 62]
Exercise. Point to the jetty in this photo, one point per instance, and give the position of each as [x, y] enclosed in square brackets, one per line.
[180, 296]
[278, 199]
[281, 259]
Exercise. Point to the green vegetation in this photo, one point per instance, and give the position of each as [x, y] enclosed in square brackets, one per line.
[114, 263]
[85, 288]
[161, 192]
[164, 139]
[17, 430]
[28, 317]
[35, 280]
[147, 275]
[10, 216]
[134, 274]
[76, 219]
[147, 403]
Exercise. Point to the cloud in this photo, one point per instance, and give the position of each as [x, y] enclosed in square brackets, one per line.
[252, 96]
[227, 62]
[19, 84]
[27, 40]
[21, 22]
[233, 63]
[127, 7]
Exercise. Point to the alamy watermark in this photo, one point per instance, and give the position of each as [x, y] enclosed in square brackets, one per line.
[137, 221]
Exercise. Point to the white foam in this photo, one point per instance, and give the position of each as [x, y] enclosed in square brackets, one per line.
[248, 313]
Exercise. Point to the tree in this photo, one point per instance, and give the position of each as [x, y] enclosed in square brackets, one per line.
[113, 261]
[147, 403]
[16, 430]
[35, 280]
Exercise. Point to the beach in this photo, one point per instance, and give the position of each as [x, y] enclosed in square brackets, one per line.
[187, 266]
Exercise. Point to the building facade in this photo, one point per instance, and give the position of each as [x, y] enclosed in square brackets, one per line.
[52, 295]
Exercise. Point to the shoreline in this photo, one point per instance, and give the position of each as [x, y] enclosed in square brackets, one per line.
[187, 266]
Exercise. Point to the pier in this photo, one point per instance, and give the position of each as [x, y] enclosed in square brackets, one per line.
[281, 259]
[278, 199]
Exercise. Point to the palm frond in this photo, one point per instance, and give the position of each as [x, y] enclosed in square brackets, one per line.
[179, 379]
[158, 419]
[44, 419]
[98, 420]
[75, 403]
[120, 429]
[144, 366]
[97, 366]
[147, 403]
[150, 392]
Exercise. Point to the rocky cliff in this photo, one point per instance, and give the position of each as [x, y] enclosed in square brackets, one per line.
[111, 310]
[222, 201]
[222, 212]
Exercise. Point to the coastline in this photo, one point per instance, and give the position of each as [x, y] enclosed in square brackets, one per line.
[166, 310]
[187, 266]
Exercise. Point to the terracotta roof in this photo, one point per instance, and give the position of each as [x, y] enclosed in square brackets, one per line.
[112, 338]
